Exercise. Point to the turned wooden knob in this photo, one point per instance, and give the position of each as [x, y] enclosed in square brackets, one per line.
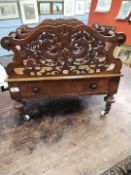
[93, 86]
[121, 38]
[35, 89]
[6, 43]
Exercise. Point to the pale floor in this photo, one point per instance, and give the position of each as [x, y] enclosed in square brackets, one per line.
[79, 144]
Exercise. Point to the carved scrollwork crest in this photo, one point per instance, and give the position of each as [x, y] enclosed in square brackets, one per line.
[63, 50]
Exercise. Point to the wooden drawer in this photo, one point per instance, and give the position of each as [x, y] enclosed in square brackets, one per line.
[61, 87]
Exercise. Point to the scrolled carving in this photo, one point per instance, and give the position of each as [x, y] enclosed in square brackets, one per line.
[63, 50]
[6, 43]
[104, 29]
[76, 53]
[24, 30]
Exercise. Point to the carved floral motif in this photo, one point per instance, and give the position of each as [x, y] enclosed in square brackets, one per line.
[67, 52]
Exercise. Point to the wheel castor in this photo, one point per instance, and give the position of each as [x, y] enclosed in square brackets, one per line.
[103, 113]
[27, 117]
[109, 100]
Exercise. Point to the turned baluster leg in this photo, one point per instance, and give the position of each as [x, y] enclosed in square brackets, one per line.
[109, 99]
[19, 105]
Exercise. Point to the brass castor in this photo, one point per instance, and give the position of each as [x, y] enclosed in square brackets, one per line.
[27, 117]
[103, 113]
[109, 99]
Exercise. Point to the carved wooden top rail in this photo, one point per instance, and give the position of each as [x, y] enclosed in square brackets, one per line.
[61, 48]
[104, 29]
[23, 30]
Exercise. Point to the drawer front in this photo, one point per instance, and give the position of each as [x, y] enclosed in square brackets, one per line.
[62, 87]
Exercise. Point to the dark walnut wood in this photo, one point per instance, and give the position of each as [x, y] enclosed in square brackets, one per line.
[24, 30]
[62, 57]
[106, 30]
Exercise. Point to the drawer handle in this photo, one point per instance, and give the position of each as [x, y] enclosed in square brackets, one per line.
[93, 86]
[35, 89]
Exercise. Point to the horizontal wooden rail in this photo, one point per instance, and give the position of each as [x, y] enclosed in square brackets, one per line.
[62, 77]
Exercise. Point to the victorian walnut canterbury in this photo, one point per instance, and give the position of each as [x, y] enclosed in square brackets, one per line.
[62, 57]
